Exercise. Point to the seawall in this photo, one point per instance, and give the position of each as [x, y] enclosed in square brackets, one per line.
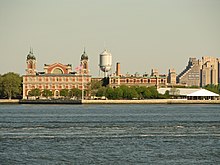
[50, 102]
[7, 101]
[153, 101]
[150, 101]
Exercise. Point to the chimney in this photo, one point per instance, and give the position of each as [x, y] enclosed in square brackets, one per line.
[118, 70]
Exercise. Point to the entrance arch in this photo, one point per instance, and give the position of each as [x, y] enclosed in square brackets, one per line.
[57, 93]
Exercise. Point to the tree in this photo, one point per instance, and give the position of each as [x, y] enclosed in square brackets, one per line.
[154, 92]
[109, 93]
[143, 92]
[118, 93]
[96, 85]
[101, 92]
[147, 94]
[212, 88]
[132, 93]
[64, 92]
[75, 92]
[166, 94]
[125, 90]
[35, 92]
[11, 85]
[47, 93]
[1, 87]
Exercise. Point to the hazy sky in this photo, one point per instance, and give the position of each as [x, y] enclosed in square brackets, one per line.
[140, 34]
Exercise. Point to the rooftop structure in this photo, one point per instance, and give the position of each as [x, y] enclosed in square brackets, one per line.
[105, 62]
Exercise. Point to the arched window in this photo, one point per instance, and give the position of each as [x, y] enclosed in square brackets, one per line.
[57, 93]
[84, 65]
[31, 64]
[57, 71]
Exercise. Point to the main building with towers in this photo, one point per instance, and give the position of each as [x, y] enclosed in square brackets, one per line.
[56, 77]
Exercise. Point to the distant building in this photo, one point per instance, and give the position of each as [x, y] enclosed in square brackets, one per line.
[190, 76]
[200, 72]
[55, 77]
[132, 80]
[154, 79]
[209, 70]
[171, 78]
[154, 73]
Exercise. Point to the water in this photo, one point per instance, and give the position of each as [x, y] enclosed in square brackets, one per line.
[109, 134]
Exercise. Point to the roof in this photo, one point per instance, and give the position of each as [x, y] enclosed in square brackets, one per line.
[203, 92]
[84, 56]
[181, 91]
[105, 52]
[189, 92]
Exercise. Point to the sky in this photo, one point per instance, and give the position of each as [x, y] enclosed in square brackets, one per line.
[140, 34]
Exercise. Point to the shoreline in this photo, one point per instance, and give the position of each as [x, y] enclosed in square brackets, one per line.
[150, 101]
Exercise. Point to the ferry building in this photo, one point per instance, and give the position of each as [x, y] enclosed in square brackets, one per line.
[56, 77]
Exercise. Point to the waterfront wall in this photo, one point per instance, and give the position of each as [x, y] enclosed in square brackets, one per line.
[50, 102]
[153, 101]
[7, 101]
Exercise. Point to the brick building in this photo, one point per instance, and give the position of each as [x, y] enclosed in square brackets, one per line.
[155, 79]
[56, 77]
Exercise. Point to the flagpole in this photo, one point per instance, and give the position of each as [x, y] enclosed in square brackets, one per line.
[82, 87]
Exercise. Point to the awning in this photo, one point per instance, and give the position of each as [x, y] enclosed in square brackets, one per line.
[203, 92]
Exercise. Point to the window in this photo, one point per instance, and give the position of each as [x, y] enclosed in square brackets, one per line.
[57, 71]
[84, 65]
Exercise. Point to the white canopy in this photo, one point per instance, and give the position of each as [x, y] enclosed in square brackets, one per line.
[181, 91]
[203, 92]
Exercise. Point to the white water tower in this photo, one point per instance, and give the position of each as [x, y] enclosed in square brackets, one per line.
[105, 62]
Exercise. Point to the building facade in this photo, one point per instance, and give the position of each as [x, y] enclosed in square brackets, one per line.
[56, 77]
[154, 79]
[131, 80]
[171, 78]
[200, 72]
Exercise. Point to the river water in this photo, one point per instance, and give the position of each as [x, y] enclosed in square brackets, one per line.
[110, 134]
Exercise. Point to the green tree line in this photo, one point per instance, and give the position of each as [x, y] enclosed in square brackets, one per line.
[213, 88]
[125, 92]
[64, 93]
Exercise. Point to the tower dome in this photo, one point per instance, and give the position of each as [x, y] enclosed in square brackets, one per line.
[84, 56]
[31, 56]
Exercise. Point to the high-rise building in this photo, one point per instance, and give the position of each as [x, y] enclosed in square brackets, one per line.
[209, 70]
[200, 72]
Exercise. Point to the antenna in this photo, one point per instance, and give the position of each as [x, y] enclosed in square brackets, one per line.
[104, 45]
